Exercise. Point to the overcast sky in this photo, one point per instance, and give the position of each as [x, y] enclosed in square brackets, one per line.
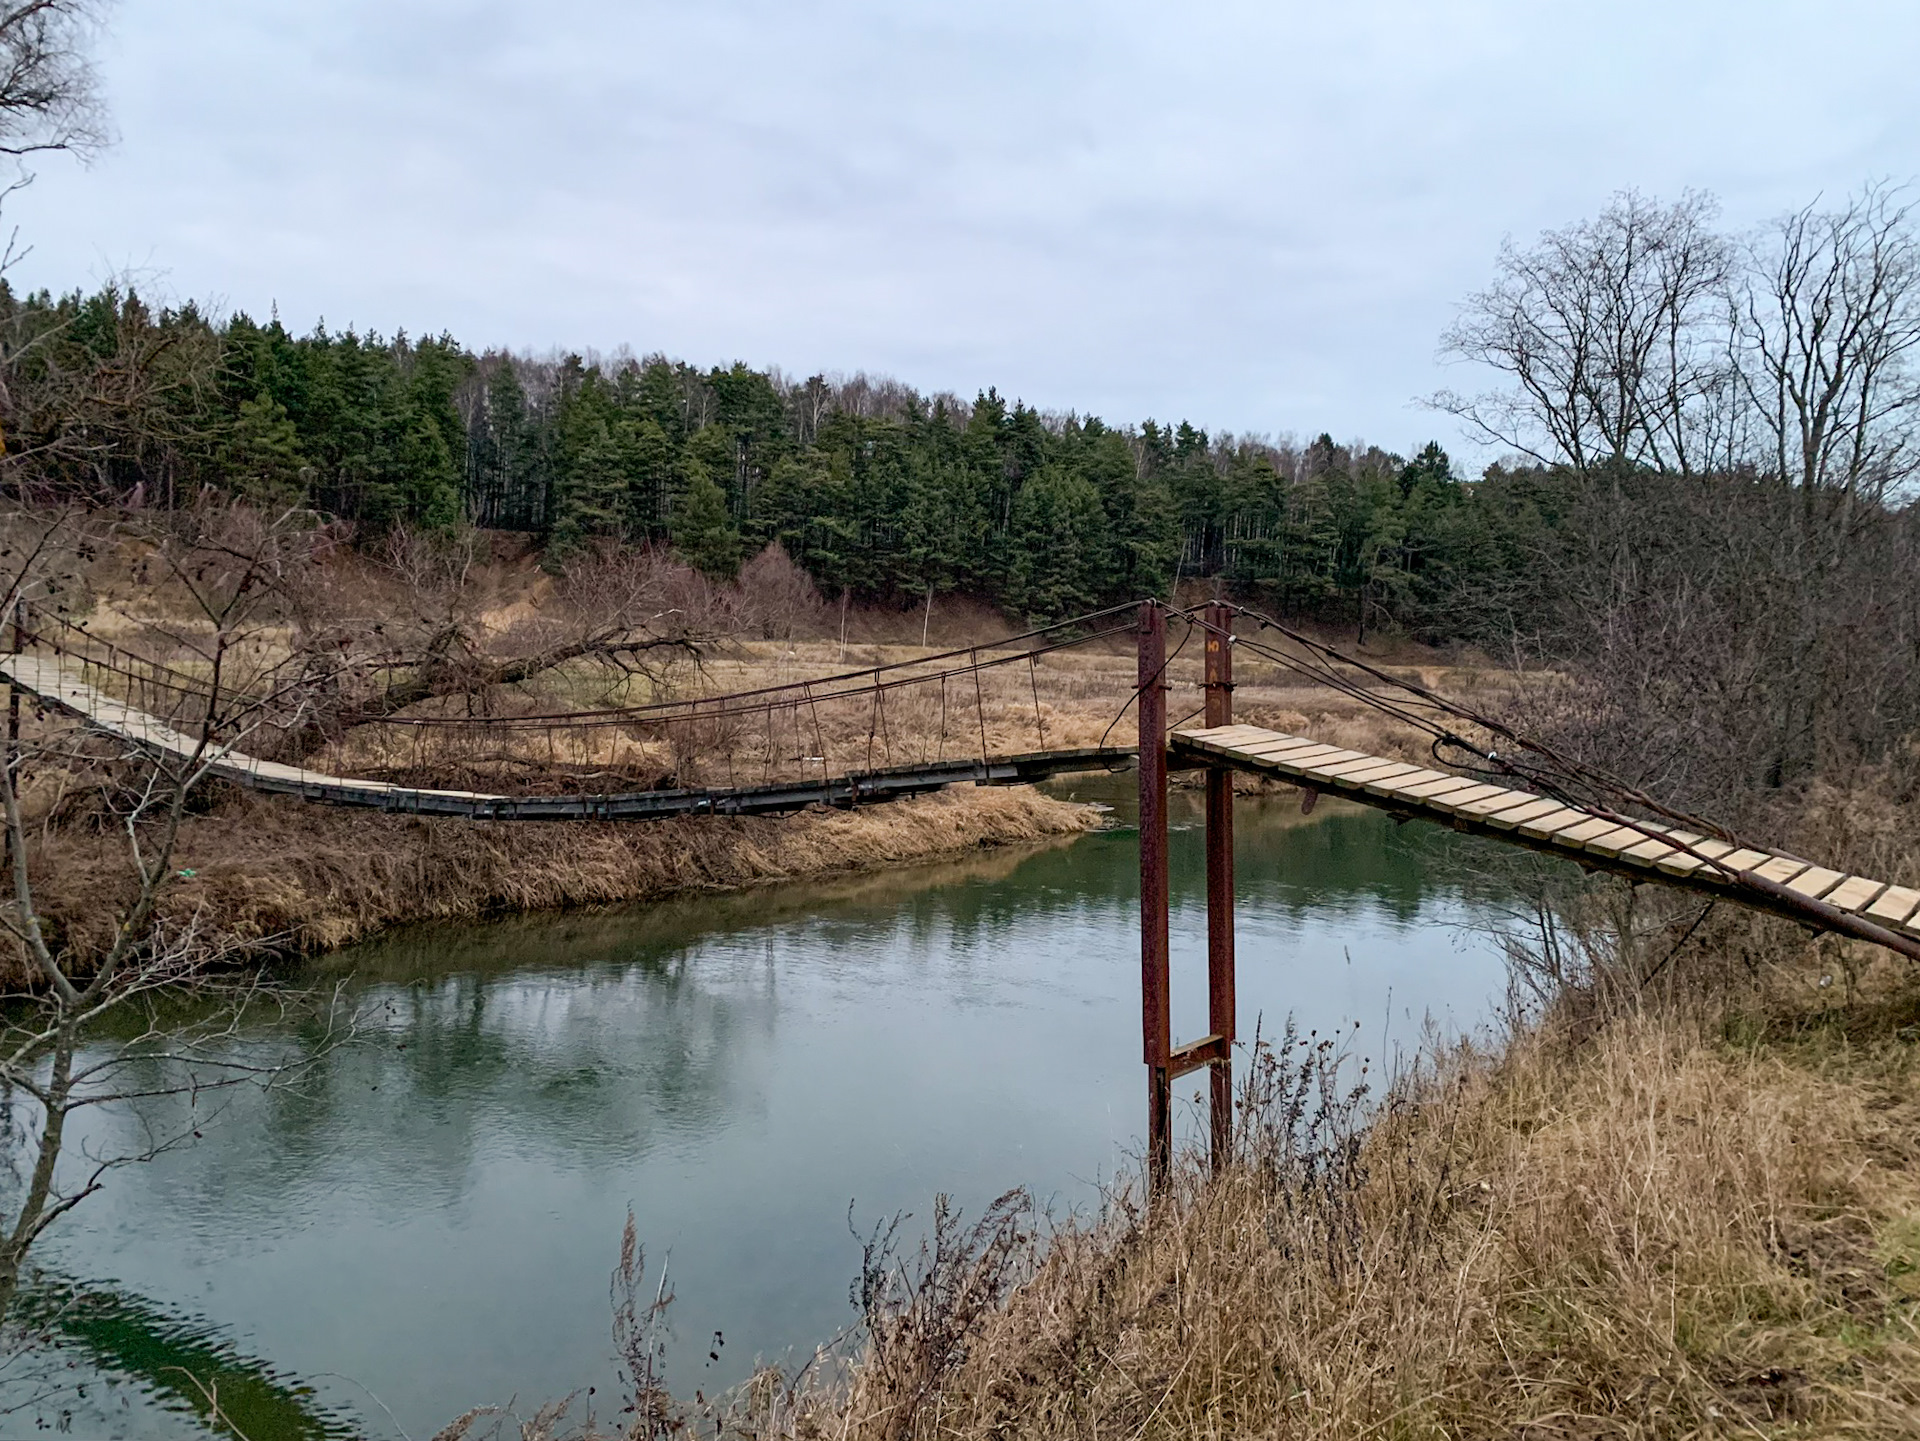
[1258, 216]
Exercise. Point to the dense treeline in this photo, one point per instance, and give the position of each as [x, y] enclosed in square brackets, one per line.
[872, 487]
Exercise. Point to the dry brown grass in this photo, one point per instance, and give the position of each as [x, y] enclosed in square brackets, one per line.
[1697, 1220]
[1660, 1229]
[306, 878]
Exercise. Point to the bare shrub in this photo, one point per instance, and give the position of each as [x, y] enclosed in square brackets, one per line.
[778, 600]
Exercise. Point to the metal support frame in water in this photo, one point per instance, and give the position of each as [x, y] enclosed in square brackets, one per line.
[1214, 1051]
[1220, 1001]
[1155, 980]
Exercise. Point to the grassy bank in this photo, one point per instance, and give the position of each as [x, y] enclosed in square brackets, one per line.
[1684, 1218]
[266, 871]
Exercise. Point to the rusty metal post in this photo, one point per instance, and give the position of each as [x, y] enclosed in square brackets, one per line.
[1220, 1002]
[1155, 981]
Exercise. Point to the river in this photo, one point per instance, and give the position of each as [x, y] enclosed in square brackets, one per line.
[429, 1221]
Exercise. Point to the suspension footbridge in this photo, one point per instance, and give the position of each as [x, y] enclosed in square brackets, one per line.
[1514, 789]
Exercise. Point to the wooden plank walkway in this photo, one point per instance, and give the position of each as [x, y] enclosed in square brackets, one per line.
[57, 686]
[1644, 851]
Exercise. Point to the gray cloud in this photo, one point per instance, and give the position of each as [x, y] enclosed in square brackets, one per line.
[1255, 215]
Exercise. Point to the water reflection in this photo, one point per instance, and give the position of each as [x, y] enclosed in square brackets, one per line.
[434, 1212]
[133, 1349]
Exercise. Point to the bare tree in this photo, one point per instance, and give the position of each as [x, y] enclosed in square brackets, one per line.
[84, 1025]
[1731, 431]
[49, 90]
[1612, 335]
[1829, 323]
[622, 610]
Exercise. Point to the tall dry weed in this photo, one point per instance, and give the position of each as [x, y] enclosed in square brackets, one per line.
[1652, 1231]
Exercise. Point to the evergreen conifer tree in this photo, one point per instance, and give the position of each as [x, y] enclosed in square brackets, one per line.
[263, 459]
[701, 528]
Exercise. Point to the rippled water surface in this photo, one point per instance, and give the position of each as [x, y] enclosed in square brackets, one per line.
[430, 1222]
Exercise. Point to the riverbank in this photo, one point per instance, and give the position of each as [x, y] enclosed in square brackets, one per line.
[1682, 1218]
[271, 876]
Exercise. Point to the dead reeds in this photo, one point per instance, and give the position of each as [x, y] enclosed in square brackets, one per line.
[1652, 1231]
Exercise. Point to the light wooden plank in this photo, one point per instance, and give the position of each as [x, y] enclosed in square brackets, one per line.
[1615, 842]
[1534, 810]
[1854, 893]
[1703, 846]
[1815, 883]
[1550, 825]
[1650, 851]
[1251, 733]
[1485, 808]
[1743, 860]
[1378, 782]
[1286, 753]
[1578, 835]
[1780, 869]
[1687, 855]
[1419, 774]
[1679, 863]
[1266, 744]
[1452, 801]
[1228, 735]
[1498, 805]
[1320, 763]
[1896, 904]
[1429, 790]
[1357, 773]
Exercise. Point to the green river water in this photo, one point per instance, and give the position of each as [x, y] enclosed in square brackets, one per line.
[429, 1221]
